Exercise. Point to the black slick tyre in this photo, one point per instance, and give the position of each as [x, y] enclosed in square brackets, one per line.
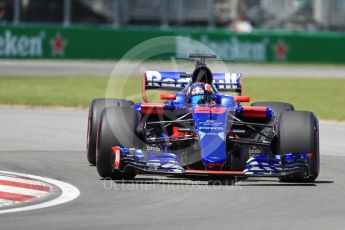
[95, 110]
[299, 133]
[117, 127]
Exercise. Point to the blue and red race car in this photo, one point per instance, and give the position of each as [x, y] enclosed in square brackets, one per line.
[202, 131]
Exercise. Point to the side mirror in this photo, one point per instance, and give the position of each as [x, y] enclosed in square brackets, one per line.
[168, 96]
[242, 99]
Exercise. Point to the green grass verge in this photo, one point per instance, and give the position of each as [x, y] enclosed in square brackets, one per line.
[325, 97]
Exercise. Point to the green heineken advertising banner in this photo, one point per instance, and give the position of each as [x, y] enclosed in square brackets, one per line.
[68, 43]
[53, 42]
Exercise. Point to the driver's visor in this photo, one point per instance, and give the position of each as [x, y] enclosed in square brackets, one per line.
[195, 99]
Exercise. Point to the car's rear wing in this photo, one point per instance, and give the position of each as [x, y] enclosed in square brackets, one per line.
[223, 82]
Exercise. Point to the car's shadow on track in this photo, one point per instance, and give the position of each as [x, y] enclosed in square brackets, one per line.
[275, 183]
[212, 181]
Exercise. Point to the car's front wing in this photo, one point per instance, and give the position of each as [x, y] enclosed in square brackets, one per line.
[168, 163]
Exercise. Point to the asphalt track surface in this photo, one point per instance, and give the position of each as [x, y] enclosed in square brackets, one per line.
[101, 68]
[51, 143]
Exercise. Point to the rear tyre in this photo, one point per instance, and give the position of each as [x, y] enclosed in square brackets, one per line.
[117, 127]
[299, 133]
[95, 110]
[277, 107]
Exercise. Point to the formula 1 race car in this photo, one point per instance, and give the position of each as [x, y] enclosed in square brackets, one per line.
[201, 131]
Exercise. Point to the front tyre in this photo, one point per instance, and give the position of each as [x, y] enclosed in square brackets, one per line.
[299, 133]
[95, 110]
[117, 127]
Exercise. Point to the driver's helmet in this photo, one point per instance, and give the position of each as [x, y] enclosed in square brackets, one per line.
[199, 93]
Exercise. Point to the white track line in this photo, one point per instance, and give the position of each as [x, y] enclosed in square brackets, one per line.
[69, 193]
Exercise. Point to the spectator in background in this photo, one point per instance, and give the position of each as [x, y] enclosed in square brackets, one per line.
[241, 24]
[2, 11]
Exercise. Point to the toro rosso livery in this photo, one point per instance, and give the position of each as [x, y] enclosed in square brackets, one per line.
[200, 130]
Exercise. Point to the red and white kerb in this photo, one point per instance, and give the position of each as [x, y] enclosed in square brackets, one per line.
[16, 190]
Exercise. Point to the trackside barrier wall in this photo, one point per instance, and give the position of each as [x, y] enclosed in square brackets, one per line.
[55, 42]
